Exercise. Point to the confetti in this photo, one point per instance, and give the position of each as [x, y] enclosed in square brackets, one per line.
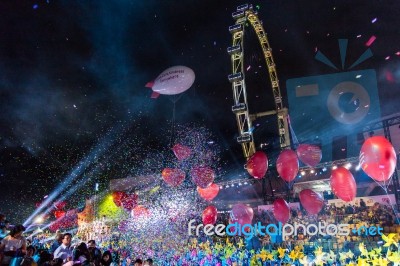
[370, 41]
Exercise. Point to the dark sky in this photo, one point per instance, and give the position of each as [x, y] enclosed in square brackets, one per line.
[73, 72]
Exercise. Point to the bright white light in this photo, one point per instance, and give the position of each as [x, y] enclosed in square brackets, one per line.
[312, 171]
[358, 167]
[302, 173]
[334, 167]
[324, 169]
[358, 76]
[39, 220]
[348, 166]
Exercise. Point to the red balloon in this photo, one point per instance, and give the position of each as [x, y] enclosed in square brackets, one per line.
[210, 215]
[311, 201]
[378, 158]
[208, 193]
[59, 205]
[173, 176]
[129, 202]
[181, 152]
[281, 210]
[309, 154]
[242, 214]
[287, 165]
[257, 165]
[118, 197]
[202, 176]
[140, 211]
[58, 214]
[343, 184]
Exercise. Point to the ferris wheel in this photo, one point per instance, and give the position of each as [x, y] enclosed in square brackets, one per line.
[244, 14]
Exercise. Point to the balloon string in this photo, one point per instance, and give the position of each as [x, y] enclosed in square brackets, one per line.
[176, 98]
[290, 187]
[173, 126]
[385, 188]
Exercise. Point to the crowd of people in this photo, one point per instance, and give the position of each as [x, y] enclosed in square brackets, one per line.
[69, 249]
[38, 250]
[362, 216]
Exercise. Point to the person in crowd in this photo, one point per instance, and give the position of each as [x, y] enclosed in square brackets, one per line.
[8, 225]
[64, 251]
[81, 254]
[13, 245]
[57, 242]
[363, 205]
[94, 253]
[138, 262]
[44, 257]
[57, 262]
[148, 262]
[28, 259]
[106, 259]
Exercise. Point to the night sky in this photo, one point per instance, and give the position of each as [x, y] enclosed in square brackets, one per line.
[72, 76]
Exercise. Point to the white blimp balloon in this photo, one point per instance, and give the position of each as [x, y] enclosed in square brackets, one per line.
[171, 81]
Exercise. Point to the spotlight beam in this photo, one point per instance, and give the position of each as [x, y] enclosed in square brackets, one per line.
[101, 147]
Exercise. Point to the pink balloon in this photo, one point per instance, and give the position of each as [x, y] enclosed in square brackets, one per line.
[287, 165]
[208, 193]
[173, 176]
[311, 201]
[202, 176]
[210, 215]
[343, 184]
[181, 152]
[140, 211]
[309, 154]
[281, 210]
[257, 165]
[242, 213]
[378, 158]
